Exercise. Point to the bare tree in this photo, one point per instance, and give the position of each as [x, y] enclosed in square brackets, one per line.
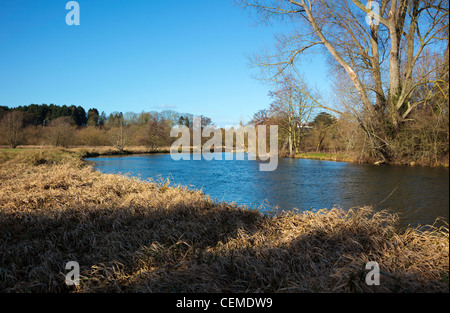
[61, 131]
[378, 56]
[12, 128]
[293, 109]
[154, 133]
[118, 136]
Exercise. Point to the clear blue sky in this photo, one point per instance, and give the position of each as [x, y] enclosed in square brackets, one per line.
[136, 55]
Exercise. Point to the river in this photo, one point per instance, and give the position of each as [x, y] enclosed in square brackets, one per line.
[418, 194]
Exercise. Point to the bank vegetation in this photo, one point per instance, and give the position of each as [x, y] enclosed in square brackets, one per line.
[388, 69]
[130, 235]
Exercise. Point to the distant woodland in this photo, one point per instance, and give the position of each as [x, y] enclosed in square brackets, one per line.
[301, 129]
[389, 79]
[66, 126]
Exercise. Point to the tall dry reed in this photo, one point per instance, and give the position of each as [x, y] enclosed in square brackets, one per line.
[130, 235]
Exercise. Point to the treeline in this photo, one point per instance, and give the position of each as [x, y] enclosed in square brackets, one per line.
[303, 128]
[316, 133]
[73, 126]
[422, 139]
[42, 114]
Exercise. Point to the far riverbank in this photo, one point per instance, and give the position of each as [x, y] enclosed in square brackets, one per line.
[91, 152]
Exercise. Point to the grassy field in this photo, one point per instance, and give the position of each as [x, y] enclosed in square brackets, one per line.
[130, 235]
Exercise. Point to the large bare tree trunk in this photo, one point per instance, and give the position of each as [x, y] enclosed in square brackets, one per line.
[380, 59]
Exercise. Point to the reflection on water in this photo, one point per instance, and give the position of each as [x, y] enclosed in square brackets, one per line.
[418, 194]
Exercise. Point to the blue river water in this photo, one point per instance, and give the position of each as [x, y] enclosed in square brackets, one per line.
[418, 194]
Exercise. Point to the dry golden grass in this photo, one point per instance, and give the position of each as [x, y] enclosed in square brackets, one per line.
[109, 150]
[139, 236]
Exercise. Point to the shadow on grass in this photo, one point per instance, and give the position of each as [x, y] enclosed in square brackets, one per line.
[213, 249]
[36, 245]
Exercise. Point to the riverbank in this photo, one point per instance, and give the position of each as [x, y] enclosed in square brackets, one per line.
[90, 152]
[343, 157]
[327, 157]
[130, 235]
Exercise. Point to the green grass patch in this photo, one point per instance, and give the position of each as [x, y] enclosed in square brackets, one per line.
[326, 156]
[10, 150]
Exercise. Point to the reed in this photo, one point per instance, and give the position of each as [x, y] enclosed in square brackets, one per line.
[130, 235]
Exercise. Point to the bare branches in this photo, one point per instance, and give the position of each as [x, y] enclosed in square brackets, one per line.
[269, 10]
[382, 93]
[274, 65]
[11, 128]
